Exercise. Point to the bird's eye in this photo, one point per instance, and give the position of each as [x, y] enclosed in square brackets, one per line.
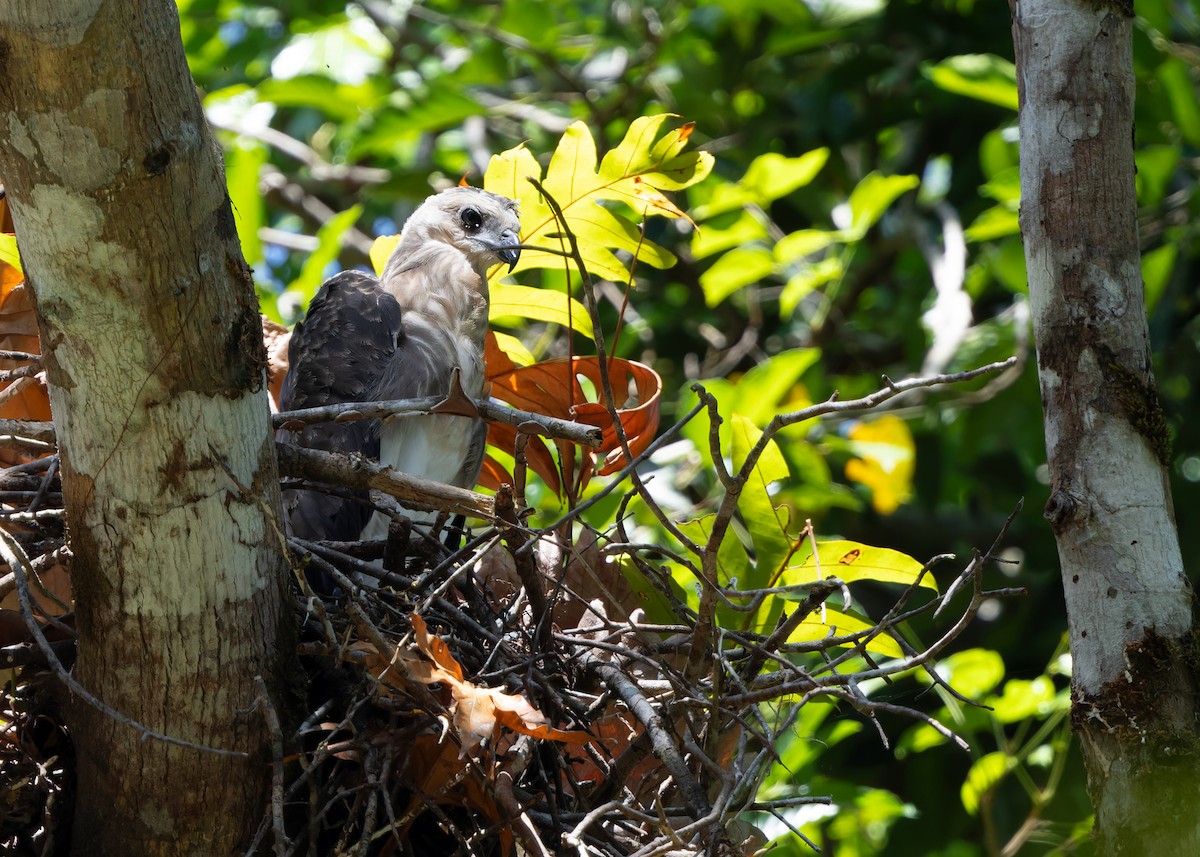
[471, 220]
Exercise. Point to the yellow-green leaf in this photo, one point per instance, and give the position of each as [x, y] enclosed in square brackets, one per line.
[886, 455]
[381, 251]
[509, 302]
[329, 243]
[873, 196]
[972, 672]
[244, 159]
[992, 223]
[768, 524]
[710, 239]
[734, 271]
[853, 561]
[805, 242]
[772, 175]
[813, 629]
[9, 254]
[635, 173]
[810, 277]
[983, 776]
[985, 77]
[514, 348]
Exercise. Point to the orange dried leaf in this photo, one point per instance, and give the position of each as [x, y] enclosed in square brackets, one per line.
[435, 648]
[552, 388]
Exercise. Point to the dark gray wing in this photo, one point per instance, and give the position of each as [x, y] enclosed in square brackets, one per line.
[338, 354]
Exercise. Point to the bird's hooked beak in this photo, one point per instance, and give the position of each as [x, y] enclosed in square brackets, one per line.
[508, 249]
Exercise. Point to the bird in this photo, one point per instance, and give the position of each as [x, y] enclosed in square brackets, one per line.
[401, 335]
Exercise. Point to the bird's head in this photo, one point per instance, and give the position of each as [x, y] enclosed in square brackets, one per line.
[481, 225]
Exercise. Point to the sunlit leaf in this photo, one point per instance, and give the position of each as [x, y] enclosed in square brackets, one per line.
[992, 223]
[381, 251]
[885, 461]
[972, 672]
[809, 278]
[985, 77]
[853, 561]
[766, 523]
[329, 238]
[839, 624]
[1023, 699]
[873, 196]
[244, 159]
[710, 239]
[772, 385]
[9, 255]
[768, 178]
[772, 175]
[735, 270]
[804, 242]
[514, 302]
[636, 172]
[982, 777]
[513, 347]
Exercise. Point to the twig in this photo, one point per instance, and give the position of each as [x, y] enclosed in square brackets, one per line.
[526, 421]
[272, 719]
[355, 471]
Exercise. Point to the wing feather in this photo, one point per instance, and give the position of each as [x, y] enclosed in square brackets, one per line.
[339, 353]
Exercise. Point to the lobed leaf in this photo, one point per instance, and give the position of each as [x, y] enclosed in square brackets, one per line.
[636, 172]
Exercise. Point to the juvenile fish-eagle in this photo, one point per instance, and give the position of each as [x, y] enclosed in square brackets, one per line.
[396, 337]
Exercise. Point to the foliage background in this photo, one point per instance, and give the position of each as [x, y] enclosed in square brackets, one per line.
[338, 118]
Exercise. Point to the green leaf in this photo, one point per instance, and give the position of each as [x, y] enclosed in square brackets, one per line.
[1004, 186]
[872, 197]
[243, 161]
[985, 77]
[733, 563]
[992, 223]
[1176, 79]
[802, 243]
[329, 238]
[9, 254]
[516, 302]
[809, 278]
[853, 561]
[1023, 699]
[1157, 266]
[772, 175]
[813, 629]
[762, 391]
[710, 238]
[766, 523]
[1155, 167]
[973, 672]
[982, 777]
[734, 271]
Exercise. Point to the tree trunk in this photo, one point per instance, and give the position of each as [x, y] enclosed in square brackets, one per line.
[155, 362]
[1129, 604]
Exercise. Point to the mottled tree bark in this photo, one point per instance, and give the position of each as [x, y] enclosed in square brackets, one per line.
[155, 362]
[1129, 604]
